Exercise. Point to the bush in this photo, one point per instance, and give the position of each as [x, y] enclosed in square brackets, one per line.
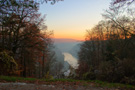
[89, 76]
[118, 71]
[105, 71]
[128, 68]
[48, 76]
[7, 63]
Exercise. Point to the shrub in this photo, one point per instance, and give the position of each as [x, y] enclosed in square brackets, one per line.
[7, 63]
[48, 76]
[89, 76]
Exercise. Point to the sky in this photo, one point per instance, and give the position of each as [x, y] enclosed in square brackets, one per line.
[71, 18]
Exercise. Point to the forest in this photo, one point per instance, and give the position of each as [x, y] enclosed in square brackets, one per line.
[107, 54]
[24, 39]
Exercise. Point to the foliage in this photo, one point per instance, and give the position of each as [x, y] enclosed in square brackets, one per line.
[7, 63]
[23, 32]
[123, 2]
[52, 1]
[13, 79]
[90, 75]
[109, 47]
[48, 76]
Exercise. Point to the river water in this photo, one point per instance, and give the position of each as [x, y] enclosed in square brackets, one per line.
[70, 59]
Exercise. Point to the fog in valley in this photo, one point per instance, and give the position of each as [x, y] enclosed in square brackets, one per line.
[67, 43]
[66, 53]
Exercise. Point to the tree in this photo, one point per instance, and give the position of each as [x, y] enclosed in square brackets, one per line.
[123, 1]
[8, 64]
[15, 15]
[52, 1]
[23, 32]
[106, 49]
[118, 4]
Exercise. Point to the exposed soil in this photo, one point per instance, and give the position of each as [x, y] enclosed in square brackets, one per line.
[43, 86]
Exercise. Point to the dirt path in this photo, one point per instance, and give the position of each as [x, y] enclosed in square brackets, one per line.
[28, 86]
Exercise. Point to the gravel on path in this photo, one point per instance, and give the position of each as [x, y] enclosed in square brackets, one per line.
[29, 86]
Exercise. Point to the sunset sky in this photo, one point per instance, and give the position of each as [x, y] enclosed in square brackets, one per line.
[71, 18]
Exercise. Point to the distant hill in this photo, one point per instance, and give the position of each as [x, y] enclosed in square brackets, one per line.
[64, 40]
[65, 45]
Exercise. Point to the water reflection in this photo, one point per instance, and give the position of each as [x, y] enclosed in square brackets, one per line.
[70, 59]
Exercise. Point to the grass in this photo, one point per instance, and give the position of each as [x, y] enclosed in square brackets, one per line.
[13, 79]
[96, 83]
[63, 80]
[113, 85]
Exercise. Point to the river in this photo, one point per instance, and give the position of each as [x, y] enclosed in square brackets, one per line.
[70, 59]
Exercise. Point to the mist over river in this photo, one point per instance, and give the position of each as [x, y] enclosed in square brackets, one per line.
[70, 59]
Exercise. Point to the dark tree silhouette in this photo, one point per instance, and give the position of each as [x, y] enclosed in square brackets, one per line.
[24, 34]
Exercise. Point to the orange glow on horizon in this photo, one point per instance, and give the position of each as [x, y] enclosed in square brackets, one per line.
[76, 37]
[70, 34]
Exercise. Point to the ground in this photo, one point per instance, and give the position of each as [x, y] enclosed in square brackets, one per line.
[37, 86]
